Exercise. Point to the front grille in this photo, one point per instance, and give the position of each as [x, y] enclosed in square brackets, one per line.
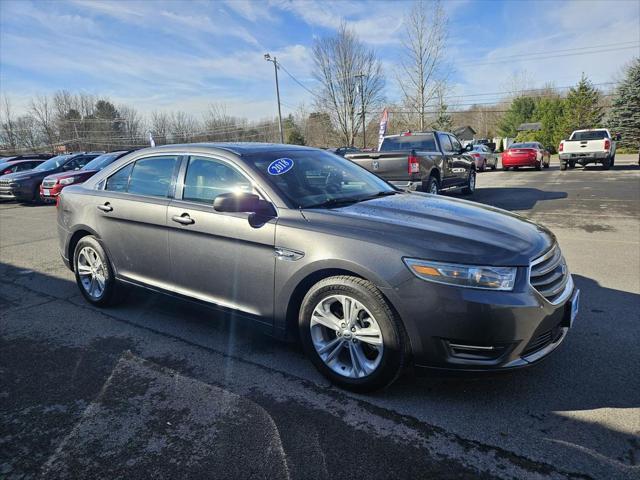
[4, 182]
[549, 275]
[49, 183]
[542, 341]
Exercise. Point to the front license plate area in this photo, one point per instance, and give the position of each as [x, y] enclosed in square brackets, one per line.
[46, 192]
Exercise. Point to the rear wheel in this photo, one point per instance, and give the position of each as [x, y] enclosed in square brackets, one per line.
[93, 271]
[606, 163]
[432, 186]
[539, 165]
[505, 168]
[471, 183]
[572, 164]
[352, 335]
[563, 165]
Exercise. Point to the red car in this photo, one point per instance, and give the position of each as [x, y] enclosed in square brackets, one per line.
[52, 185]
[529, 154]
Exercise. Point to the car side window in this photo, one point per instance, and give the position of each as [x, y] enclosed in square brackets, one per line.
[455, 144]
[445, 143]
[206, 178]
[119, 181]
[152, 176]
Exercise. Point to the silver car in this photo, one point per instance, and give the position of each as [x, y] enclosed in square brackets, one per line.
[484, 158]
[310, 246]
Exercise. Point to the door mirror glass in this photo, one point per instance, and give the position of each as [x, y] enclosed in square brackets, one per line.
[237, 202]
[468, 148]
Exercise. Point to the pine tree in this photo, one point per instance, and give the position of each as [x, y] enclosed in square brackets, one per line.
[443, 120]
[624, 117]
[521, 111]
[582, 107]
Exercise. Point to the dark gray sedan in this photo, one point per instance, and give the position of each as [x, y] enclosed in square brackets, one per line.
[309, 245]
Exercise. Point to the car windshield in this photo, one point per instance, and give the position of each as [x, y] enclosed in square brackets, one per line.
[524, 145]
[102, 161]
[425, 143]
[52, 163]
[590, 135]
[317, 179]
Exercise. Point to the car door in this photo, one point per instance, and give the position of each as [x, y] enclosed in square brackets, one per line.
[448, 175]
[131, 218]
[222, 258]
[460, 165]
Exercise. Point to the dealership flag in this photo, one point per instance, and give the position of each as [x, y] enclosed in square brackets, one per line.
[383, 127]
[152, 142]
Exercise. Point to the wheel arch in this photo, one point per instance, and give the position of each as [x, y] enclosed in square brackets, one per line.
[80, 232]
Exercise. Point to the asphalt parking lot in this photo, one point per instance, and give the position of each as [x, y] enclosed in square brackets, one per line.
[158, 387]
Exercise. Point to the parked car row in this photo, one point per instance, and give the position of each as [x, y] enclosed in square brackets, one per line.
[42, 180]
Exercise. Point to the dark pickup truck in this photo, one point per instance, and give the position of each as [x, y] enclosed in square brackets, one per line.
[427, 161]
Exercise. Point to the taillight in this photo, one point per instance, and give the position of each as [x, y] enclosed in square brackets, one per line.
[414, 164]
[475, 155]
[607, 144]
[561, 147]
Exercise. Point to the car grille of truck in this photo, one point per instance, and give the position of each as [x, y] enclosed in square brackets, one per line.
[550, 276]
[48, 183]
[5, 189]
[542, 341]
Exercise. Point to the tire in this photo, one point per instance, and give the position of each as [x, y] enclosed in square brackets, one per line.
[506, 169]
[539, 165]
[572, 165]
[613, 160]
[494, 166]
[432, 186]
[483, 166]
[563, 165]
[471, 183]
[548, 164]
[375, 366]
[94, 267]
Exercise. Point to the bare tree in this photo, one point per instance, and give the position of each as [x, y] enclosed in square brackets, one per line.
[132, 126]
[342, 64]
[42, 110]
[8, 133]
[183, 127]
[423, 70]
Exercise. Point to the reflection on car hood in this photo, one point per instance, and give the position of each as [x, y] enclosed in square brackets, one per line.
[14, 177]
[441, 228]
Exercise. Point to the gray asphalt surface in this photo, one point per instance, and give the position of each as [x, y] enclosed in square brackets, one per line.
[158, 387]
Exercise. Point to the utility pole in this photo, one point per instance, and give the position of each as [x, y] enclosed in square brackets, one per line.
[364, 127]
[274, 60]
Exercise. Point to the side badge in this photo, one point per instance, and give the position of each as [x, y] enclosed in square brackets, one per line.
[280, 166]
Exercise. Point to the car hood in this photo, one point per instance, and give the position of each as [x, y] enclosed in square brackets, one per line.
[75, 174]
[27, 174]
[441, 229]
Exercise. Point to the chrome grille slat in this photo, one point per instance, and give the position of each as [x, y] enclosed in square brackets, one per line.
[549, 275]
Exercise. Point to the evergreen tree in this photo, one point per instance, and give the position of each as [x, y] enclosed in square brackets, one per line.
[624, 117]
[583, 108]
[521, 111]
[443, 120]
[294, 135]
[549, 112]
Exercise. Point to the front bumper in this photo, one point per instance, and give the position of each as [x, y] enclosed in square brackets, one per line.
[470, 329]
[19, 193]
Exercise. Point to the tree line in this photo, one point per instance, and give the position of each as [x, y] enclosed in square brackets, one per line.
[351, 81]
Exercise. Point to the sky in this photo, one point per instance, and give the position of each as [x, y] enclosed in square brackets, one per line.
[185, 55]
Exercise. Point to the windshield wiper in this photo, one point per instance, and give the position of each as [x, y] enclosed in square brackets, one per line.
[338, 202]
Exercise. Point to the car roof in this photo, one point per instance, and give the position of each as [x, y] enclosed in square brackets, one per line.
[238, 148]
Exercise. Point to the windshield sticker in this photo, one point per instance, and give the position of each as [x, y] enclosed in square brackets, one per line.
[280, 166]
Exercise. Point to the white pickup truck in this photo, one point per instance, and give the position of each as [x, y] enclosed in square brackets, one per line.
[588, 146]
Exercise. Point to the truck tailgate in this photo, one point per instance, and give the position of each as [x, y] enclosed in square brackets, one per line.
[583, 146]
[389, 165]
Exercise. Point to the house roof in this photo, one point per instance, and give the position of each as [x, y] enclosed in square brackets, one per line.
[529, 127]
[462, 129]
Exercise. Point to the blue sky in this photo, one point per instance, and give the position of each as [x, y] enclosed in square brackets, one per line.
[165, 55]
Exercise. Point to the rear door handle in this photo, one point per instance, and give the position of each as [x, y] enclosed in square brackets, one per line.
[106, 207]
[183, 219]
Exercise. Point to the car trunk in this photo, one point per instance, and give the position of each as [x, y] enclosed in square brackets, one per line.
[390, 165]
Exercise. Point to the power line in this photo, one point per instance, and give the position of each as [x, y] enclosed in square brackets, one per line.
[543, 56]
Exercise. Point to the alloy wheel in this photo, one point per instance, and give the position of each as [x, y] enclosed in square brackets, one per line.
[91, 272]
[346, 337]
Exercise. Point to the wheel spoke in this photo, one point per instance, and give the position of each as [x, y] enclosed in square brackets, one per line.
[369, 335]
[101, 281]
[92, 285]
[325, 318]
[358, 360]
[334, 352]
[328, 346]
[83, 269]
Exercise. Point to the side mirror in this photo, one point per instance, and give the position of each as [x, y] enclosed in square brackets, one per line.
[237, 202]
[468, 148]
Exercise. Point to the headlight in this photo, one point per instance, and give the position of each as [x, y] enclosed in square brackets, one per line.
[66, 181]
[473, 276]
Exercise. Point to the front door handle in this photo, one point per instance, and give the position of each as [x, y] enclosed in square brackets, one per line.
[106, 207]
[183, 219]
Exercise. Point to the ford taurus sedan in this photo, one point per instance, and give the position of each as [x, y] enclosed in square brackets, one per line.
[308, 245]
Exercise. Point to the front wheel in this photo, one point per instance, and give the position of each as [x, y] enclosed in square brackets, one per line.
[352, 335]
[471, 183]
[93, 271]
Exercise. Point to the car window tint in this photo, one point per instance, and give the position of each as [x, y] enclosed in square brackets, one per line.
[207, 178]
[423, 142]
[445, 143]
[119, 181]
[152, 176]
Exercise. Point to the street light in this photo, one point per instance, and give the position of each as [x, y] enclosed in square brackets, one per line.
[274, 60]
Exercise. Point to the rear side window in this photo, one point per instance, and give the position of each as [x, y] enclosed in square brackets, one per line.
[592, 135]
[424, 143]
[455, 144]
[147, 176]
[207, 178]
